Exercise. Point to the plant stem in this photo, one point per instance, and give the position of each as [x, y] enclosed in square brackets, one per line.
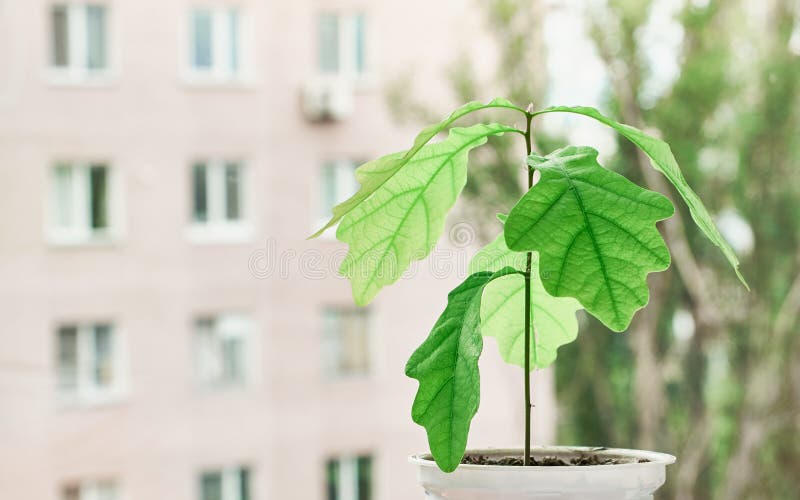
[528, 405]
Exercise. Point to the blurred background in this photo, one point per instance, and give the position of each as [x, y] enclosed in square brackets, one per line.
[169, 333]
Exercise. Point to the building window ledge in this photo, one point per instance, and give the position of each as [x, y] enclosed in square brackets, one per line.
[220, 233]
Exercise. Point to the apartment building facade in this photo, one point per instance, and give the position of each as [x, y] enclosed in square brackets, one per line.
[168, 331]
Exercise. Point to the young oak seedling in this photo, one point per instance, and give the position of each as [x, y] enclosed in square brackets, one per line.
[582, 237]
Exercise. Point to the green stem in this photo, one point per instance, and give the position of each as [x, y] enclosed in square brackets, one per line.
[528, 405]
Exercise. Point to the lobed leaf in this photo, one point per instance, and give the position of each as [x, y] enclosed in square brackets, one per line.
[446, 365]
[503, 307]
[662, 159]
[372, 175]
[402, 220]
[595, 233]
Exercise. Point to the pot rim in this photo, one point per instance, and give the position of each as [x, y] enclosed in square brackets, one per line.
[655, 459]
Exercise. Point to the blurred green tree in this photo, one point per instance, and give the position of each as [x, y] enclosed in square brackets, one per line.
[707, 371]
[726, 399]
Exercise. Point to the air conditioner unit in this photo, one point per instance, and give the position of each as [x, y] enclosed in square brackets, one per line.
[328, 100]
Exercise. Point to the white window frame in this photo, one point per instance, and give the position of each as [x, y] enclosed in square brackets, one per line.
[220, 72]
[87, 392]
[217, 228]
[330, 361]
[346, 185]
[231, 481]
[224, 327]
[348, 475]
[347, 47]
[77, 72]
[80, 232]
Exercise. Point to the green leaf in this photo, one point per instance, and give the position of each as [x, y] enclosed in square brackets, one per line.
[496, 255]
[503, 308]
[446, 365]
[662, 159]
[595, 233]
[372, 175]
[405, 216]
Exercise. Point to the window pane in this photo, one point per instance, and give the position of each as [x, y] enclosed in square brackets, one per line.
[71, 492]
[346, 183]
[244, 484]
[96, 36]
[360, 55]
[330, 345]
[60, 41]
[103, 369]
[98, 189]
[364, 468]
[353, 348]
[355, 341]
[63, 196]
[332, 479]
[233, 186]
[211, 486]
[329, 43]
[68, 358]
[207, 362]
[352, 185]
[202, 43]
[105, 490]
[200, 193]
[233, 19]
[328, 189]
[232, 360]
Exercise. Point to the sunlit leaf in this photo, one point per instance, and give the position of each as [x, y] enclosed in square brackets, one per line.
[446, 365]
[372, 175]
[405, 216]
[503, 308]
[595, 233]
[662, 159]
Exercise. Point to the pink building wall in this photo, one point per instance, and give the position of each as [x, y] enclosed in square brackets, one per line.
[149, 124]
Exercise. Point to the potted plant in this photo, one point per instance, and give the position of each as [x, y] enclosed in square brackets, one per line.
[581, 237]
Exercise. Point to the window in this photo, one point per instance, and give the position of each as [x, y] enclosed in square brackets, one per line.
[342, 39]
[349, 478]
[99, 490]
[81, 203]
[345, 342]
[337, 183]
[88, 365]
[217, 198]
[222, 350]
[216, 43]
[225, 484]
[79, 43]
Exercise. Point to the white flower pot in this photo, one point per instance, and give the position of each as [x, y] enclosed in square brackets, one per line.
[628, 481]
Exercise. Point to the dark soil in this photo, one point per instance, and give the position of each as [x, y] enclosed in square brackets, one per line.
[549, 461]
